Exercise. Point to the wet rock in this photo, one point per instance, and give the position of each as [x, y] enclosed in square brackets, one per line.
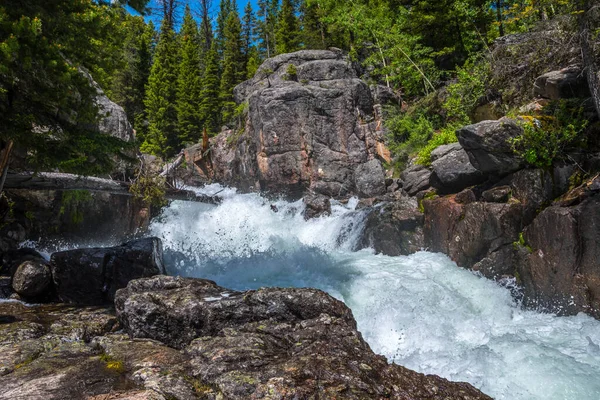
[566, 83]
[274, 343]
[188, 308]
[561, 273]
[32, 279]
[499, 194]
[416, 179]
[394, 228]
[452, 170]
[488, 145]
[316, 205]
[370, 179]
[92, 276]
[470, 232]
[11, 259]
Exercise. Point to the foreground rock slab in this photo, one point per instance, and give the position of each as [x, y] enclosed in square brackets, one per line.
[270, 343]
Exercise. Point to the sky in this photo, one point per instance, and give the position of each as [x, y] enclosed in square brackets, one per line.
[156, 17]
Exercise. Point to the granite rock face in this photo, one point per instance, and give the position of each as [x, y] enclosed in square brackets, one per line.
[311, 123]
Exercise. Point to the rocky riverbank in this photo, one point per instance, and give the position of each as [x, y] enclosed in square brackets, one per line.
[320, 135]
[182, 338]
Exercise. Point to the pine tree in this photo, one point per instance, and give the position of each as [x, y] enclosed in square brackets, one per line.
[161, 97]
[267, 17]
[206, 32]
[225, 9]
[145, 56]
[210, 106]
[189, 81]
[288, 31]
[313, 32]
[253, 62]
[233, 70]
[128, 85]
[248, 29]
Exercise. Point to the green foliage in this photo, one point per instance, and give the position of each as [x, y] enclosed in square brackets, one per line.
[522, 243]
[210, 106]
[234, 71]
[287, 34]
[150, 189]
[470, 86]
[161, 97]
[72, 202]
[444, 136]
[46, 103]
[291, 72]
[548, 135]
[408, 134]
[189, 85]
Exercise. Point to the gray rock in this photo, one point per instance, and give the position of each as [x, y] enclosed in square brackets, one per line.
[444, 149]
[113, 120]
[370, 179]
[309, 134]
[92, 276]
[488, 145]
[32, 279]
[499, 194]
[416, 179]
[566, 83]
[394, 228]
[453, 171]
[177, 310]
[465, 197]
[316, 205]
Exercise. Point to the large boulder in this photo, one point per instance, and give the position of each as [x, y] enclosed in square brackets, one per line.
[452, 170]
[416, 179]
[488, 145]
[566, 83]
[310, 124]
[269, 343]
[32, 279]
[370, 179]
[58, 352]
[92, 276]
[561, 270]
[394, 228]
[468, 233]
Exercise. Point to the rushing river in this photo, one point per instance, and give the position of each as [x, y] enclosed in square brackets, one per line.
[420, 311]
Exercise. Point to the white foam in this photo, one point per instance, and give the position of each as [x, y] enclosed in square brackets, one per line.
[420, 311]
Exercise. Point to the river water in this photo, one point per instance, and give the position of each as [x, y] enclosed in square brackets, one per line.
[420, 311]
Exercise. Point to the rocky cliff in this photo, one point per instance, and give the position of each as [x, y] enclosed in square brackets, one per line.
[309, 124]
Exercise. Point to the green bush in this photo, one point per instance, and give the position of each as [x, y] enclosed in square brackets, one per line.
[445, 136]
[547, 135]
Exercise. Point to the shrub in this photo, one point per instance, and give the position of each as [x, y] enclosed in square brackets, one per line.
[445, 136]
[547, 135]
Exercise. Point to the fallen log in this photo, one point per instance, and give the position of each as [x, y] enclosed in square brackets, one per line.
[61, 181]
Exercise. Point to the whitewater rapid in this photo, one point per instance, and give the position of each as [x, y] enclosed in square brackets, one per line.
[420, 311]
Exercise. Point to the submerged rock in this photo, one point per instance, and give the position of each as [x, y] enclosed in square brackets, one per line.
[92, 276]
[316, 205]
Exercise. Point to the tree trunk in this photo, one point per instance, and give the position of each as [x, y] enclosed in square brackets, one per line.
[4, 162]
[588, 16]
[499, 6]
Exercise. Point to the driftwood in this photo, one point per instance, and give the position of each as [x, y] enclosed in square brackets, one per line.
[60, 181]
[173, 165]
